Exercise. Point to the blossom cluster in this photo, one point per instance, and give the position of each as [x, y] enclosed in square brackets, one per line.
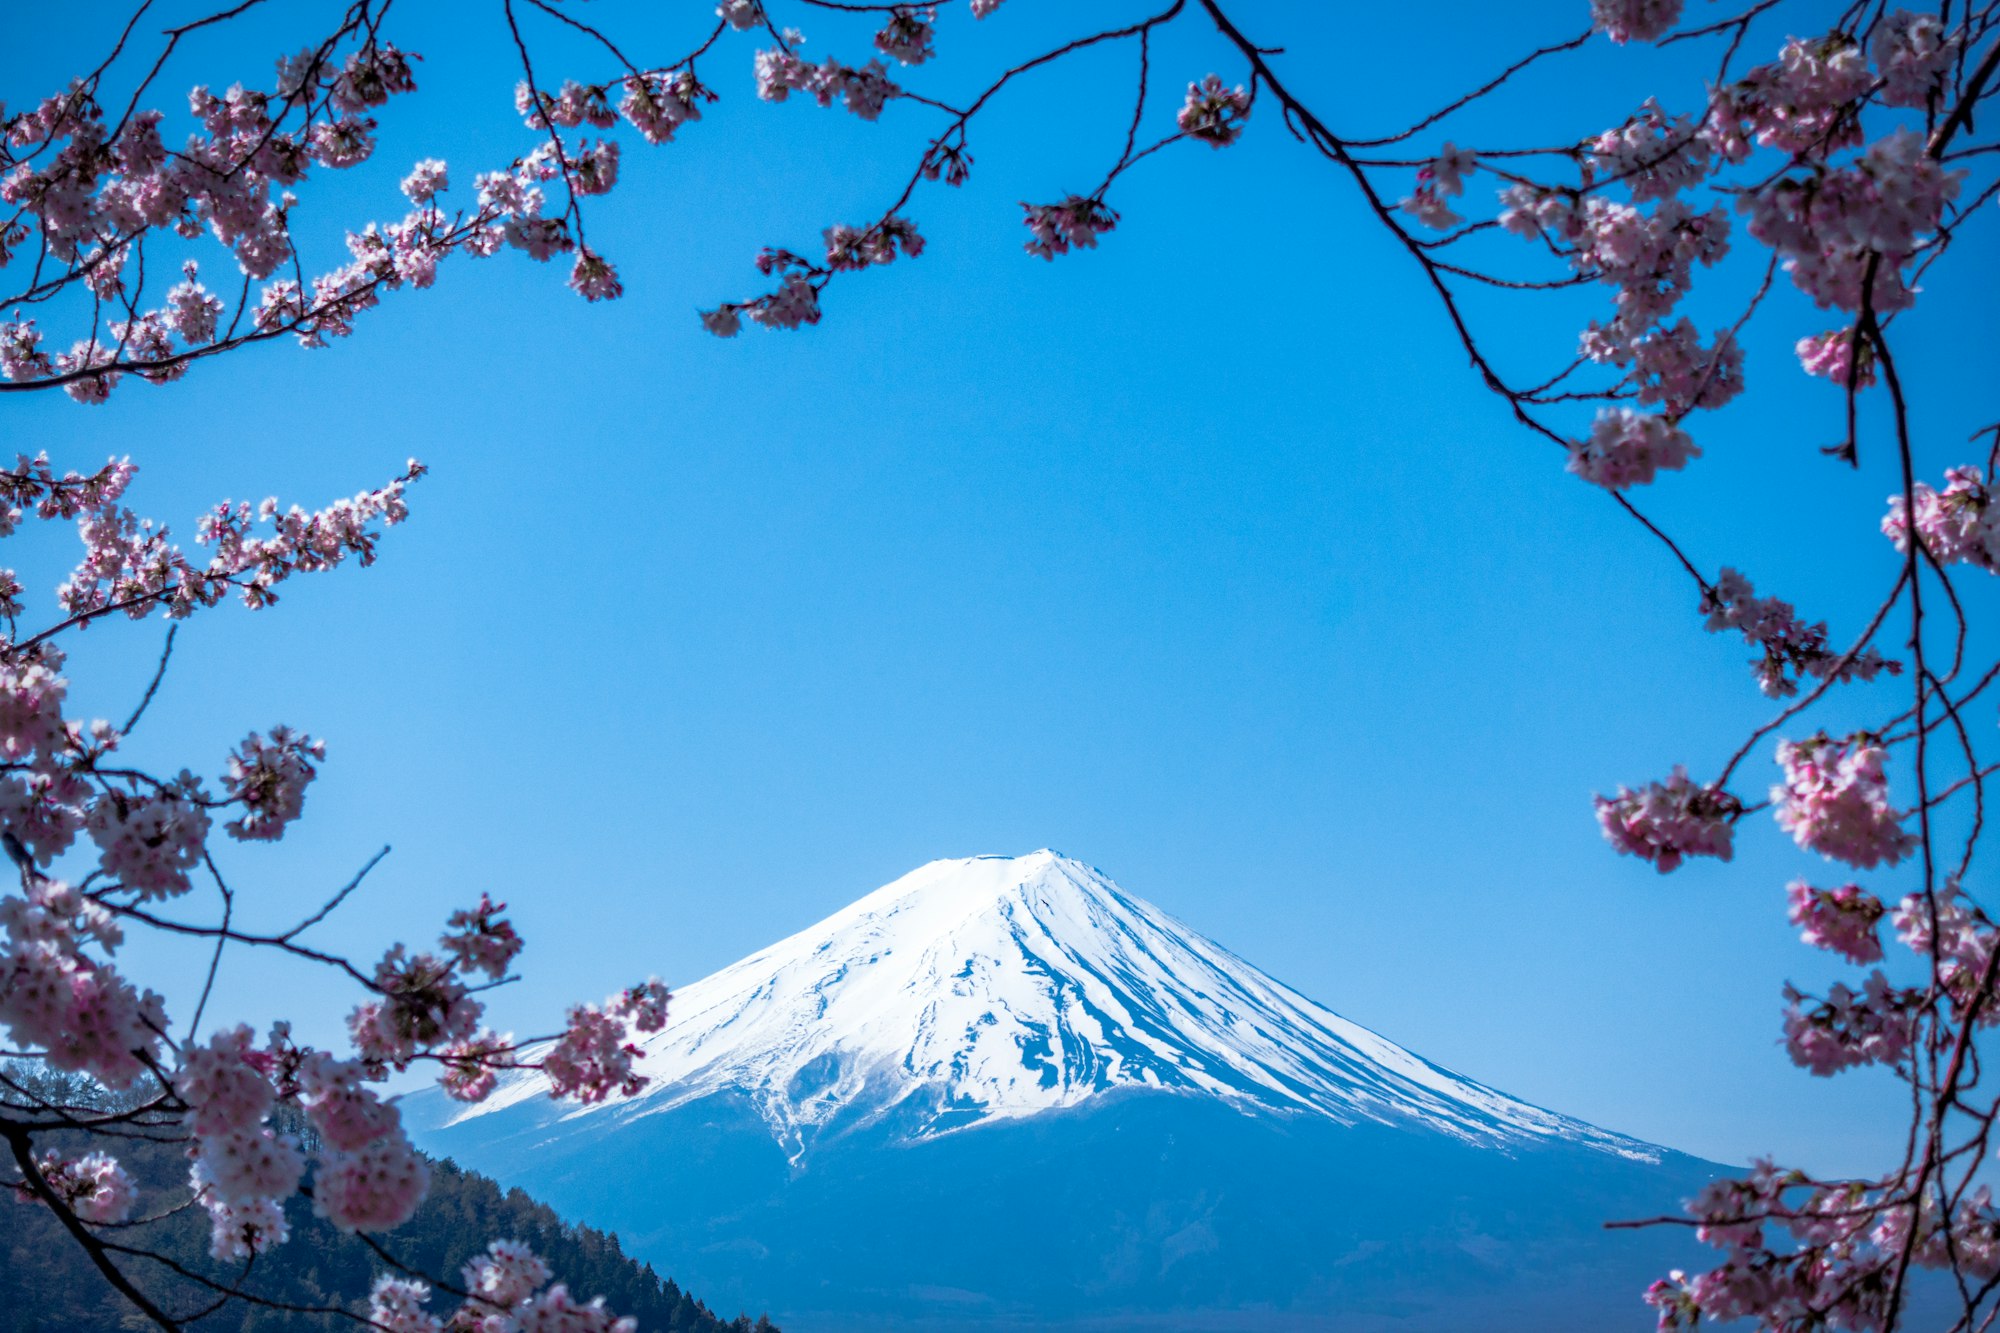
[1913, 53]
[1670, 368]
[1958, 523]
[93, 1186]
[64, 1000]
[796, 301]
[594, 1058]
[908, 35]
[1627, 448]
[1439, 181]
[1838, 355]
[863, 89]
[1075, 223]
[1834, 800]
[129, 564]
[1835, 226]
[1649, 257]
[1667, 822]
[1822, 1254]
[95, 191]
[851, 248]
[60, 995]
[1951, 930]
[1635, 20]
[1842, 920]
[505, 1293]
[268, 777]
[1874, 1025]
[367, 1176]
[1214, 112]
[1653, 155]
[506, 1290]
[1793, 649]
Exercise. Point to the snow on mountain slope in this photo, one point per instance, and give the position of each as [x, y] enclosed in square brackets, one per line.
[994, 988]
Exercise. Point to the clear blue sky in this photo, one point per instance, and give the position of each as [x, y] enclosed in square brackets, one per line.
[1200, 557]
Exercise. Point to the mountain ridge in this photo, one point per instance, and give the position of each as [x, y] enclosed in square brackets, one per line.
[1004, 1093]
[1006, 986]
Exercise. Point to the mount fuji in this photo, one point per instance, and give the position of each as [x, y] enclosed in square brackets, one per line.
[1001, 1092]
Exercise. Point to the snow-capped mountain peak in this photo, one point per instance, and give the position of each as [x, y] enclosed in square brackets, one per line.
[993, 988]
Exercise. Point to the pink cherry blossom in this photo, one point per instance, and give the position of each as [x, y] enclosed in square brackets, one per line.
[1831, 227]
[1438, 181]
[849, 249]
[906, 38]
[593, 278]
[1731, 1211]
[31, 700]
[94, 1186]
[224, 1085]
[269, 778]
[472, 1067]
[1913, 53]
[507, 1274]
[593, 1058]
[864, 90]
[1843, 920]
[426, 180]
[396, 1306]
[344, 1110]
[1666, 822]
[480, 940]
[1076, 222]
[1653, 155]
[1793, 649]
[793, 305]
[658, 105]
[1628, 448]
[645, 1004]
[1214, 113]
[556, 1311]
[239, 1231]
[422, 1005]
[80, 1013]
[372, 1188]
[1635, 20]
[243, 1166]
[1670, 367]
[1951, 929]
[1834, 800]
[150, 842]
[44, 810]
[1831, 355]
[1850, 1028]
[1797, 104]
[1957, 523]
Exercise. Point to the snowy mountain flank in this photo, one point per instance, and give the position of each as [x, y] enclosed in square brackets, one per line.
[996, 987]
[1009, 1062]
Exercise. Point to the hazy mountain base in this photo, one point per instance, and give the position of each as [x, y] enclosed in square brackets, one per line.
[1133, 1211]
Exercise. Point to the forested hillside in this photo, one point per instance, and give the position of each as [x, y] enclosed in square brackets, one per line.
[49, 1285]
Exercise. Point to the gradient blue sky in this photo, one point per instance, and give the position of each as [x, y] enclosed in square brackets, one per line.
[1201, 558]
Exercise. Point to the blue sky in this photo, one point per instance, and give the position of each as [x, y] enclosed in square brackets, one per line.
[1200, 557]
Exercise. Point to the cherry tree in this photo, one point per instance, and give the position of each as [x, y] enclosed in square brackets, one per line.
[1832, 148]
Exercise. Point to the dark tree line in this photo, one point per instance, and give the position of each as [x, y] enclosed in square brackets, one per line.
[48, 1285]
